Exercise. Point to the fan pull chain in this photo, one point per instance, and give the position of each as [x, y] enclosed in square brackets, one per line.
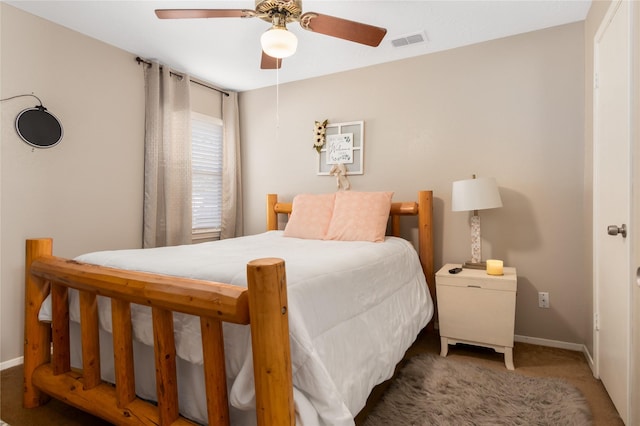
[277, 105]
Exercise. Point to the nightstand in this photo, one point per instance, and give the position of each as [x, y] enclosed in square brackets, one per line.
[477, 309]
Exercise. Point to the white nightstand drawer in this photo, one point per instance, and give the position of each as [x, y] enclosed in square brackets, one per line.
[477, 314]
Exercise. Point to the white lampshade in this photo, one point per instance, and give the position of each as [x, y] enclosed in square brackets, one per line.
[475, 194]
[278, 42]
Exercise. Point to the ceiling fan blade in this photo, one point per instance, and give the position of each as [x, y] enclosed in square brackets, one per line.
[343, 28]
[204, 13]
[269, 62]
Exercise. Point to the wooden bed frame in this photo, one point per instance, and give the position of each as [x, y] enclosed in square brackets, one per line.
[262, 305]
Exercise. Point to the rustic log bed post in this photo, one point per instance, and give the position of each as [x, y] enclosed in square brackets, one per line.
[37, 335]
[212, 302]
[274, 393]
[425, 239]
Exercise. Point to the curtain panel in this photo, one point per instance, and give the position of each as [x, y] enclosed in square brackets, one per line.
[167, 158]
[231, 170]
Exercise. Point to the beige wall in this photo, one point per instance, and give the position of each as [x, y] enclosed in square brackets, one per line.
[511, 108]
[206, 101]
[86, 192]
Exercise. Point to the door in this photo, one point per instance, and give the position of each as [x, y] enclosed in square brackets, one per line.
[612, 195]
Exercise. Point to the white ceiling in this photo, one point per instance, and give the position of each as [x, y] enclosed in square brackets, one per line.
[226, 52]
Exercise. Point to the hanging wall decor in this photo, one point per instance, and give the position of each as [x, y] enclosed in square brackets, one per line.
[344, 144]
[340, 172]
[37, 126]
[319, 132]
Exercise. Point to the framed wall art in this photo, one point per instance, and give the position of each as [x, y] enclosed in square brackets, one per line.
[344, 144]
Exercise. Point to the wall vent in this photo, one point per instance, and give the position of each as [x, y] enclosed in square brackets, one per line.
[409, 39]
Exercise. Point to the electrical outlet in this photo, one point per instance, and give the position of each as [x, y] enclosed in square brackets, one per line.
[543, 299]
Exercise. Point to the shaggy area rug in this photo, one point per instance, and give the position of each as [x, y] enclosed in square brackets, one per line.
[431, 390]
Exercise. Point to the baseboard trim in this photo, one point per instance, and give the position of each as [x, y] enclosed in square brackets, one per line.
[550, 343]
[592, 364]
[561, 345]
[11, 363]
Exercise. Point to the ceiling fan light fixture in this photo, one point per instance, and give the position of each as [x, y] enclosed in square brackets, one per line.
[278, 42]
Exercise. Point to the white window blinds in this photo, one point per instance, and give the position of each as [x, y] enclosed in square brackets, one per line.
[206, 157]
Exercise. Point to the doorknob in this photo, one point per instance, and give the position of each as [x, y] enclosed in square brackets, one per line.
[614, 230]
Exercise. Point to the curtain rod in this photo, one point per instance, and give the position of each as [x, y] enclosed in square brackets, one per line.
[139, 60]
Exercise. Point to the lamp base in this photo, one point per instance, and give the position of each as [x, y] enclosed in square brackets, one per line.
[475, 265]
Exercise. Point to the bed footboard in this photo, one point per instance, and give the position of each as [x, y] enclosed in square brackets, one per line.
[47, 370]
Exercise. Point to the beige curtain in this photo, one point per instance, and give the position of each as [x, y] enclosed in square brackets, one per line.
[167, 159]
[231, 171]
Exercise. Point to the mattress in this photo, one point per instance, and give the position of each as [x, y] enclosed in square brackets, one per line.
[354, 309]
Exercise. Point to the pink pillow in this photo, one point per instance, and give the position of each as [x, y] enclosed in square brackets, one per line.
[360, 216]
[310, 216]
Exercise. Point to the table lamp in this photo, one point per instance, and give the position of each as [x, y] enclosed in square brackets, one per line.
[473, 195]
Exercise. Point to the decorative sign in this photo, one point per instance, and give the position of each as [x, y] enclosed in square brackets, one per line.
[344, 144]
[340, 148]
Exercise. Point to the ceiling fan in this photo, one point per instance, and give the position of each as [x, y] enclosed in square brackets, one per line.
[278, 42]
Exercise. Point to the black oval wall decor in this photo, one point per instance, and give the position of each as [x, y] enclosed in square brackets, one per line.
[38, 127]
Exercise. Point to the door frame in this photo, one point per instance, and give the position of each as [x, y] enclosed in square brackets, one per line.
[634, 414]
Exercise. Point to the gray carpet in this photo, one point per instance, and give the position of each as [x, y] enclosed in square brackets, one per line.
[431, 390]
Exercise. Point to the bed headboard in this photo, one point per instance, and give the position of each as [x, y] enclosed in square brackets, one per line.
[423, 208]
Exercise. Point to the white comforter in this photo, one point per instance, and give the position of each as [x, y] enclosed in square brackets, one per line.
[354, 309]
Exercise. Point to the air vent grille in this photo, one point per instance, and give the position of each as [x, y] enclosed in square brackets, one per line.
[409, 39]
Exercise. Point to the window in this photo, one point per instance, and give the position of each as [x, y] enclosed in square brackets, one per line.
[206, 165]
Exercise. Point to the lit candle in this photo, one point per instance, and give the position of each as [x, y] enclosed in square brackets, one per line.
[494, 267]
